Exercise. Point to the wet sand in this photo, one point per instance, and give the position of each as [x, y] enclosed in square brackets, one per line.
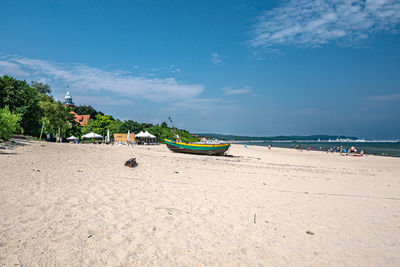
[69, 204]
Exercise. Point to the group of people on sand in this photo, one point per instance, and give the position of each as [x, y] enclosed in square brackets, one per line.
[352, 151]
[300, 148]
[349, 151]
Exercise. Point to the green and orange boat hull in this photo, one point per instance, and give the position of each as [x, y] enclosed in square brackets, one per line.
[195, 148]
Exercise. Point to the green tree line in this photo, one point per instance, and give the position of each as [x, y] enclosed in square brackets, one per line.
[27, 108]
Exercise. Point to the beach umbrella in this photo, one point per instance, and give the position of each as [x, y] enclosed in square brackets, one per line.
[92, 135]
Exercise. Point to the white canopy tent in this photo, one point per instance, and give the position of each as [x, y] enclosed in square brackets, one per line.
[72, 138]
[150, 135]
[145, 137]
[92, 135]
[141, 134]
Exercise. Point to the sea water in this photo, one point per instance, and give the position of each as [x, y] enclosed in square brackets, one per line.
[391, 149]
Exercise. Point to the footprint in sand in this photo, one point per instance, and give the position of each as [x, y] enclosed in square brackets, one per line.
[169, 218]
[127, 226]
[62, 238]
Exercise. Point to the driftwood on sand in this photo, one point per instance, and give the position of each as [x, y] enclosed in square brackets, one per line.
[131, 162]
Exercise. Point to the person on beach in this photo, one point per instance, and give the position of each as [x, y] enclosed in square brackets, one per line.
[269, 147]
[309, 148]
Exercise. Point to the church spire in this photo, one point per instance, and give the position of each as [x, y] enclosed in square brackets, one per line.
[68, 99]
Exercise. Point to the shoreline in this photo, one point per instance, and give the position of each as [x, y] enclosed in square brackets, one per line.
[369, 149]
[73, 204]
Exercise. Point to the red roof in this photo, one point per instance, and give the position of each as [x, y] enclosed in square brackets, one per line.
[81, 119]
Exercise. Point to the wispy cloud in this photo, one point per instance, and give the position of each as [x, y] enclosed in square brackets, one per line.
[237, 91]
[105, 100]
[312, 23]
[199, 105]
[12, 68]
[215, 59]
[384, 98]
[89, 80]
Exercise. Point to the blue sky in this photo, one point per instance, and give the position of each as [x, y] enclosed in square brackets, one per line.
[236, 67]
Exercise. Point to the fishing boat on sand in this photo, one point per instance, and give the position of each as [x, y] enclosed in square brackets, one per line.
[197, 148]
[200, 148]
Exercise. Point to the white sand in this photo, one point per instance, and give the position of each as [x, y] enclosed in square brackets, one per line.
[64, 204]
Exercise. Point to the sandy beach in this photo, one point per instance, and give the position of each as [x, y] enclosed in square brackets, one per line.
[75, 204]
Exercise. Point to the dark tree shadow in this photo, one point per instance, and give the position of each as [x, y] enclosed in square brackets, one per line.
[12, 144]
[9, 153]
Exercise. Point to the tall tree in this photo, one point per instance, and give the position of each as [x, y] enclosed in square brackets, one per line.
[42, 88]
[55, 116]
[99, 124]
[74, 127]
[9, 123]
[129, 125]
[20, 98]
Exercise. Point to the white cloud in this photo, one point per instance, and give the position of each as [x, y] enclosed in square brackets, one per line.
[384, 98]
[199, 105]
[312, 23]
[11, 68]
[90, 80]
[237, 91]
[215, 59]
[105, 100]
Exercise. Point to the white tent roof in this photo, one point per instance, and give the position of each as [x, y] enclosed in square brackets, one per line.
[72, 138]
[149, 135]
[141, 134]
[145, 135]
[92, 135]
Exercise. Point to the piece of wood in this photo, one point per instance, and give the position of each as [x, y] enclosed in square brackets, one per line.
[131, 163]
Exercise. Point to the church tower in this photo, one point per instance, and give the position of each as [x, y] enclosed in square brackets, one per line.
[68, 100]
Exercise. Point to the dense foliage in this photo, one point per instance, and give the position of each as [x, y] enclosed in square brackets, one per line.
[100, 124]
[164, 132]
[41, 88]
[29, 108]
[9, 123]
[129, 125]
[87, 110]
[54, 116]
[22, 99]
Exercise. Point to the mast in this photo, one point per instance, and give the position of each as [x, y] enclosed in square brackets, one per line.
[172, 130]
